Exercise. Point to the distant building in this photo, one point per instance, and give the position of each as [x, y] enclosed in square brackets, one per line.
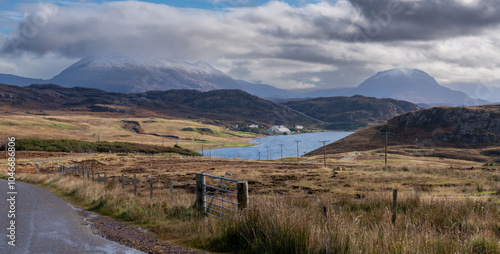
[299, 127]
[278, 129]
[253, 126]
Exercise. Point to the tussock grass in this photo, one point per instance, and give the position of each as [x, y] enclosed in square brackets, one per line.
[288, 224]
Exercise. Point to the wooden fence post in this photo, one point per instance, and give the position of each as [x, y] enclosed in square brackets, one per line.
[150, 188]
[123, 182]
[98, 177]
[200, 198]
[135, 185]
[242, 196]
[394, 202]
[93, 175]
[88, 173]
[171, 190]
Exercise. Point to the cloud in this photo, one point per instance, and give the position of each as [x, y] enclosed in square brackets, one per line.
[317, 44]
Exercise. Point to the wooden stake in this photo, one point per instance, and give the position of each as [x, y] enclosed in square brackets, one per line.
[242, 196]
[394, 203]
[171, 190]
[200, 198]
[135, 185]
[150, 188]
[386, 150]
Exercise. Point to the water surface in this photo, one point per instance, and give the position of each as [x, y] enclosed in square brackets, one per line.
[270, 148]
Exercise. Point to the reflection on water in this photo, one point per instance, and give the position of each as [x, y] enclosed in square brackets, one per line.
[271, 147]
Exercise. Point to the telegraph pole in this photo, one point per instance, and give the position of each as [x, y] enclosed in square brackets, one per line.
[259, 156]
[297, 141]
[202, 150]
[281, 152]
[324, 150]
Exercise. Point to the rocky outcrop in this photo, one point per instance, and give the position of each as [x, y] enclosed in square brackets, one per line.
[448, 126]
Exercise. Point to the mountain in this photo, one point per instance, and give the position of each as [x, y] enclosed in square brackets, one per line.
[477, 91]
[218, 106]
[18, 81]
[349, 113]
[411, 85]
[458, 127]
[136, 74]
[126, 74]
[404, 84]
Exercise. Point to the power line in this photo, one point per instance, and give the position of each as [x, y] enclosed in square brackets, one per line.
[281, 152]
[297, 141]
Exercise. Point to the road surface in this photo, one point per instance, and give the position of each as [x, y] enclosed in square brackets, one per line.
[47, 224]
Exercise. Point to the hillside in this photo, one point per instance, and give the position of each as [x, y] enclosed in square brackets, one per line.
[218, 106]
[452, 127]
[349, 113]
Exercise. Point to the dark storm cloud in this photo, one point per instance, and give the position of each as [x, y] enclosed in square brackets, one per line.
[425, 20]
[277, 43]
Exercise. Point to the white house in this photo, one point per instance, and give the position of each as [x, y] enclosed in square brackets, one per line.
[278, 129]
[299, 127]
[253, 126]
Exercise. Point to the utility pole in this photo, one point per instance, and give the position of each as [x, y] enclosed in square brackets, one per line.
[267, 147]
[297, 141]
[259, 156]
[385, 150]
[324, 150]
[202, 150]
[281, 152]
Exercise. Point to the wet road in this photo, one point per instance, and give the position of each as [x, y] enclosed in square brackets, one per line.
[45, 223]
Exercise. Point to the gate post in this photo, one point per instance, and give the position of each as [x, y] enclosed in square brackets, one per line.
[242, 190]
[200, 198]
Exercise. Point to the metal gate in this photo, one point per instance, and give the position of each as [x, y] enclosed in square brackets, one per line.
[218, 196]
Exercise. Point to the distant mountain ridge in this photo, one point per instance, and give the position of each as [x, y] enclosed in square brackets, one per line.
[137, 74]
[220, 107]
[351, 112]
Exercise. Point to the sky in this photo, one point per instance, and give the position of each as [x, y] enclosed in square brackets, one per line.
[288, 44]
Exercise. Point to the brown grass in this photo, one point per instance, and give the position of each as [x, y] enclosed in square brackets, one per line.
[444, 205]
[89, 128]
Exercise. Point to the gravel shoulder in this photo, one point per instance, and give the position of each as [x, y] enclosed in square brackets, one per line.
[131, 236]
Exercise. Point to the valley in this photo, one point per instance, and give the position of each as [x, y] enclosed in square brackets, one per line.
[443, 161]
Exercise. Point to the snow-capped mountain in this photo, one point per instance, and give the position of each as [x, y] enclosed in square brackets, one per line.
[404, 84]
[412, 85]
[136, 74]
[119, 73]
